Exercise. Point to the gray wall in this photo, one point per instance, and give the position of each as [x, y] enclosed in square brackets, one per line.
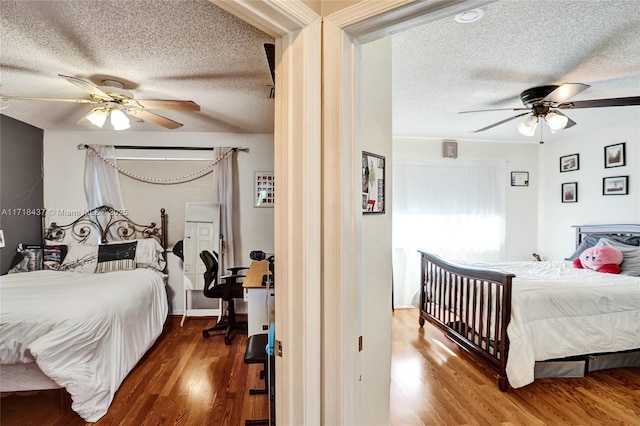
[21, 195]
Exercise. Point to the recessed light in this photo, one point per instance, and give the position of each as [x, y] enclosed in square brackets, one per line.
[469, 16]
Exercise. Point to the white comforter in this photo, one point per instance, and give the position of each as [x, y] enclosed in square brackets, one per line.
[560, 311]
[84, 331]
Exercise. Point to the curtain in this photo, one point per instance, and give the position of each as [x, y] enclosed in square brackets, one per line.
[452, 208]
[101, 182]
[223, 194]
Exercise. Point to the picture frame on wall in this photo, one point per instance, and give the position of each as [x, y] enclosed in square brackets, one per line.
[265, 189]
[519, 178]
[569, 163]
[570, 192]
[614, 155]
[373, 183]
[615, 185]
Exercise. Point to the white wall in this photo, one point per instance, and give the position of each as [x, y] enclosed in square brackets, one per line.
[64, 183]
[556, 235]
[521, 201]
[376, 239]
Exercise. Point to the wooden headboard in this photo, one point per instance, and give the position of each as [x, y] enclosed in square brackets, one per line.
[584, 230]
[110, 224]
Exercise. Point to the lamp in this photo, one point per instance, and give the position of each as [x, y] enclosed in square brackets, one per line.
[528, 126]
[556, 121]
[119, 120]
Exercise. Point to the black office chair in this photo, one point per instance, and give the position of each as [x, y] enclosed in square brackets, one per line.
[227, 288]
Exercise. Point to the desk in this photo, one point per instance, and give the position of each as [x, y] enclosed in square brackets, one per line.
[260, 299]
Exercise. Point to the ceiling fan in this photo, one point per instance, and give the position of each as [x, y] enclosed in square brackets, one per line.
[545, 102]
[114, 101]
[270, 52]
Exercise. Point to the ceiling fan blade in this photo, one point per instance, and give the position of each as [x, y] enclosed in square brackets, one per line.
[153, 118]
[270, 51]
[570, 122]
[599, 103]
[168, 104]
[500, 122]
[27, 98]
[498, 109]
[89, 87]
[564, 92]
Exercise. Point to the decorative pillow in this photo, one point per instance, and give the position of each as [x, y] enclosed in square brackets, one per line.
[53, 256]
[631, 256]
[591, 240]
[117, 257]
[31, 259]
[149, 253]
[80, 258]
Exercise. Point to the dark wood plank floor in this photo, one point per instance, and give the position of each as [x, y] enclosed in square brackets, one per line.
[187, 380]
[183, 380]
[433, 382]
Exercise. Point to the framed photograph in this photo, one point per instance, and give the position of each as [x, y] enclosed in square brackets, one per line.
[372, 183]
[570, 192]
[450, 149]
[615, 185]
[1, 238]
[614, 155]
[519, 178]
[569, 163]
[265, 189]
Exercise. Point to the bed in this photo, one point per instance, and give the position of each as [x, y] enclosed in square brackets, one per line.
[83, 325]
[540, 319]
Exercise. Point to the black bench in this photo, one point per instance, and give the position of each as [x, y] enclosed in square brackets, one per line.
[256, 354]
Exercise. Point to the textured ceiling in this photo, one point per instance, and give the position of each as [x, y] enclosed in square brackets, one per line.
[445, 67]
[185, 50]
[193, 50]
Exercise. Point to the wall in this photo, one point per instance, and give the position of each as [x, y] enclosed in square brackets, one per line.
[521, 201]
[375, 125]
[20, 186]
[556, 236]
[64, 184]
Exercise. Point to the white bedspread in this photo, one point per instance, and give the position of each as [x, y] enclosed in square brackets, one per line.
[560, 311]
[85, 331]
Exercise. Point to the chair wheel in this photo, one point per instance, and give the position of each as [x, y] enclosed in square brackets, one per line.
[205, 333]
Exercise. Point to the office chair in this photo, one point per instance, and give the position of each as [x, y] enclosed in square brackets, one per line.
[227, 288]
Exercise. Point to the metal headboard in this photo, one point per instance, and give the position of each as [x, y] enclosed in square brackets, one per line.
[584, 230]
[110, 224]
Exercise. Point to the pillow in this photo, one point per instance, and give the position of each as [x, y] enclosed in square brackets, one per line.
[631, 256]
[80, 258]
[116, 257]
[149, 253]
[53, 256]
[29, 258]
[587, 242]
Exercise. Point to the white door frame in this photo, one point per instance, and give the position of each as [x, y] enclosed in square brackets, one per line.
[317, 214]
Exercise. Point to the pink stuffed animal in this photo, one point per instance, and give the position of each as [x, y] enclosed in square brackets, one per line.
[601, 259]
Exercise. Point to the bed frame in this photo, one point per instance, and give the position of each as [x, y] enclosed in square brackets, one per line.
[110, 225]
[480, 327]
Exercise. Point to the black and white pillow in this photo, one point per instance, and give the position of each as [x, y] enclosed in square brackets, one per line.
[80, 258]
[116, 257]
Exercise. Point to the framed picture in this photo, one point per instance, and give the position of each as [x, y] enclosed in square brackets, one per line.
[372, 183]
[569, 163]
[450, 149]
[614, 155]
[265, 189]
[519, 178]
[615, 185]
[570, 192]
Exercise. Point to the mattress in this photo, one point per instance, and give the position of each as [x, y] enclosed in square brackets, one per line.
[559, 311]
[85, 332]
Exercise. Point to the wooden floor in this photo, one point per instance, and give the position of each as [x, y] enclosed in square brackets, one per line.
[183, 380]
[433, 382]
[187, 380]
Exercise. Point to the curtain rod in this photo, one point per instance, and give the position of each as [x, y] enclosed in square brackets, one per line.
[174, 148]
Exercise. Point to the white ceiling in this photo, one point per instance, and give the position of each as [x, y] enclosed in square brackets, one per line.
[185, 50]
[445, 67]
[193, 50]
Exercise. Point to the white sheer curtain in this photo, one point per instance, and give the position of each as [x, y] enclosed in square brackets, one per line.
[101, 181]
[223, 194]
[452, 208]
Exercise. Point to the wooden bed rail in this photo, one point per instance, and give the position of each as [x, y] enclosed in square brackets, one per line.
[471, 306]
